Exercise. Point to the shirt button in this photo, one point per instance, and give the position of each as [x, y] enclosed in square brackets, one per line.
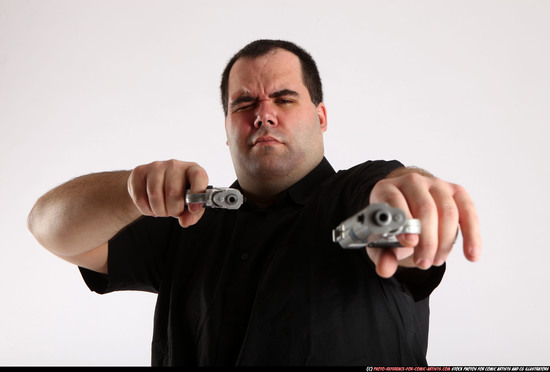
[244, 256]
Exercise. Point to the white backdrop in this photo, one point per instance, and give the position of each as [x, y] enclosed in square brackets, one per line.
[460, 88]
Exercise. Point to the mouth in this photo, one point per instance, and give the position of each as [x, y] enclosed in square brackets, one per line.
[266, 140]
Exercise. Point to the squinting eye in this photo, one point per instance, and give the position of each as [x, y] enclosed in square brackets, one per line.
[243, 108]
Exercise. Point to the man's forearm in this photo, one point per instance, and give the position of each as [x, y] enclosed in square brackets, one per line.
[83, 213]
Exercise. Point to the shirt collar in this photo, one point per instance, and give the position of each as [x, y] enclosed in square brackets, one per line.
[301, 190]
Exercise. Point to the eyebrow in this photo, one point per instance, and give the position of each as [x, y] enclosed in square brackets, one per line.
[246, 97]
[283, 92]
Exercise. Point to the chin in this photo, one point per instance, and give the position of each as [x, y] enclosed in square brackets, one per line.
[271, 166]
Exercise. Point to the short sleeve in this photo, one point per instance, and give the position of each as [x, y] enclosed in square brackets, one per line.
[361, 180]
[136, 257]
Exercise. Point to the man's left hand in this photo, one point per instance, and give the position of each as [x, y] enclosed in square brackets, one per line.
[441, 207]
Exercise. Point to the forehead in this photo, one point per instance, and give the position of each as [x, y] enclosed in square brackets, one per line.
[279, 69]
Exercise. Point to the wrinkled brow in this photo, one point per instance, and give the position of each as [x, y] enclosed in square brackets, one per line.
[283, 93]
[247, 97]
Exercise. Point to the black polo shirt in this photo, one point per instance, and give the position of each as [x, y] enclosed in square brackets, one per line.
[269, 287]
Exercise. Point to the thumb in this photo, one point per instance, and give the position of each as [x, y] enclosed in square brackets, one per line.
[385, 261]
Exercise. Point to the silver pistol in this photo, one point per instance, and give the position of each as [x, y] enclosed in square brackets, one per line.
[217, 197]
[375, 226]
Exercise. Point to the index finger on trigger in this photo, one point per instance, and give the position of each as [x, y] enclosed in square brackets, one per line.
[197, 179]
[387, 191]
[422, 206]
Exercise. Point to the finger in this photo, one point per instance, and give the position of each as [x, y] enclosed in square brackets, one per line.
[174, 188]
[187, 219]
[198, 182]
[387, 264]
[155, 190]
[197, 179]
[422, 206]
[408, 240]
[385, 261]
[469, 224]
[447, 211]
[409, 193]
[138, 192]
[387, 191]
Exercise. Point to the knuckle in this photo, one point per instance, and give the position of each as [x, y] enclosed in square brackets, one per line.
[384, 182]
[390, 198]
[442, 186]
[425, 209]
[172, 163]
[463, 198]
[385, 191]
[459, 189]
[195, 171]
[448, 212]
[154, 165]
[174, 192]
[414, 178]
[194, 168]
[138, 171]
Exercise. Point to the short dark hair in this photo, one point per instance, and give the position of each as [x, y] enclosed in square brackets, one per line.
[258, 48]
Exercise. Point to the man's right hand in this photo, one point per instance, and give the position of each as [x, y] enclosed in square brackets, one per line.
[76, 220]
[158, 189]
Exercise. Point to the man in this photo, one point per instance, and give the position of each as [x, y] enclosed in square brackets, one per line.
[265, 285]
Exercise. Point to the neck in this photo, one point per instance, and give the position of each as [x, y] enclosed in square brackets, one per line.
[265, 190]
[264, 193]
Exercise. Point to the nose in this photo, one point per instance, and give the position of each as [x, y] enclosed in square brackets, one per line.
[265, 116]
[263, 121]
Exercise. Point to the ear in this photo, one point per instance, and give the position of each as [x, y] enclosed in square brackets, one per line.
[225, 126]
[322, 114]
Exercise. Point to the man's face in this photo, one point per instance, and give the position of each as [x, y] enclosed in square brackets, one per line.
[273, 129]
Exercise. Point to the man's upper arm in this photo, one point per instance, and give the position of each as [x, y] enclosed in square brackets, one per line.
[95, 259]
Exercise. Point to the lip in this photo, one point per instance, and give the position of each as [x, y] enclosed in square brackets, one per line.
[266, 140]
